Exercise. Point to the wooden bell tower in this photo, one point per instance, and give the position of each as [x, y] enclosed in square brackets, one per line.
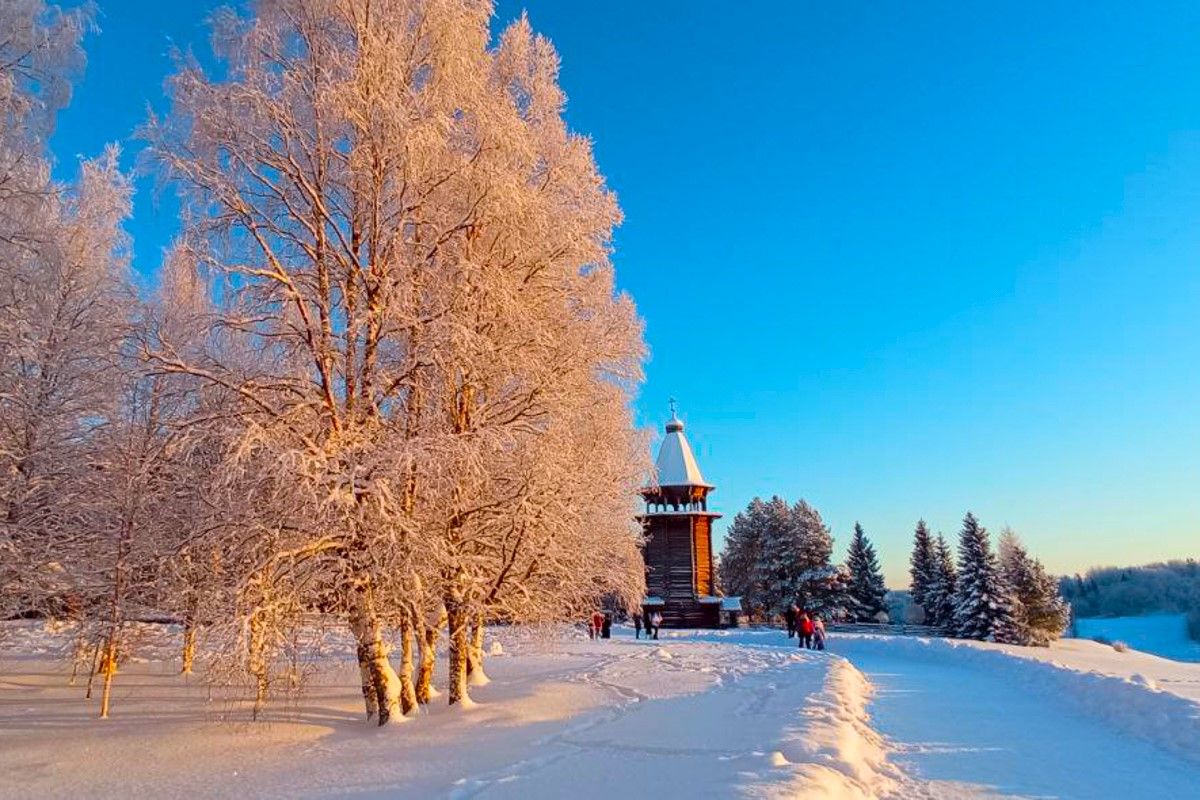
[680, 576]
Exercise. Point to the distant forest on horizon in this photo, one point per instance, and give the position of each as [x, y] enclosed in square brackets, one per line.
[1165, 587]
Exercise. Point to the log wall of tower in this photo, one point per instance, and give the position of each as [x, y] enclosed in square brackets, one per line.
[702, 548]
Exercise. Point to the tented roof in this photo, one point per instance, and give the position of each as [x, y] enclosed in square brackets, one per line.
[676, 465]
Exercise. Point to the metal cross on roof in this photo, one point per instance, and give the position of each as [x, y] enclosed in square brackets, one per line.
[671, 403]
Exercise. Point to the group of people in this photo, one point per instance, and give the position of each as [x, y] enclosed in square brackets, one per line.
[809, 628]
[651, 625]
[599, 624]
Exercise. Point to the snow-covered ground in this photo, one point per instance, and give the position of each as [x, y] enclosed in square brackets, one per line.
[618, 718]
[1162, 634]
[725, 714]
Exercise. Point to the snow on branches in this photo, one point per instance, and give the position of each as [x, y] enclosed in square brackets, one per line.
[385, 379]
[419, 335]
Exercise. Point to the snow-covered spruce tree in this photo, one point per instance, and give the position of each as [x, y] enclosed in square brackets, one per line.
[769, 547]
[793, 542]
[416, 257]
[825, 591]
[867, 590]
[1042, 614]
[796, 552]
[741, 554]
[942, 588]
[922, 572]
[983, 603]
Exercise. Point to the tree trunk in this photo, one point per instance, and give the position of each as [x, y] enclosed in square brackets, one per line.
[95, 668]
[369, 633]
[408, 693]
[110, 669]
[368, 684]
[257, 663]
[428, 636]
[189, 645]
[78, 655]
[475, 672]
[456, 617]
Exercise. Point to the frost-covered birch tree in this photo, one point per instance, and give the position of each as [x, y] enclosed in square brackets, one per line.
[413, 252]
[55, 293]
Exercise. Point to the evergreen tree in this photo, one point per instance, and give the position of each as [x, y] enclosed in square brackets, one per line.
[922, 569]
[781, 557]
[867, 591]
[983, 605]
[1041, 612]
[939, 595]
[814, 536]
[740, 557]
[768, 549]
[825, 591]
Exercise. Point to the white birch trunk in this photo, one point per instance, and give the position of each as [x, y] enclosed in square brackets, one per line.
[475, 673]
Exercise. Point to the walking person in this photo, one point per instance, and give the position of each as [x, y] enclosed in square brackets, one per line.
[606, 626]
[637, 625]
[818, 633]
[597, 624]
[655, 623]
[789, 616]
[805, 629]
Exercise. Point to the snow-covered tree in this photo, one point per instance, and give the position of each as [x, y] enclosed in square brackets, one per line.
[942, 588]
[983, 603]
[795, 541]
[435, 370]
[922, 570]
[40, 56]
[743, 547]
[780, 557]
[1041, 613]
[825, 591]
[59, 287]
[63, 319]
[769, 547]
[867, 590]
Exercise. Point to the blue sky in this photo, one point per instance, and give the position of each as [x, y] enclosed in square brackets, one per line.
[899, 261]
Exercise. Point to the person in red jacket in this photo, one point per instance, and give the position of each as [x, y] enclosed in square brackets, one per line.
[597, 624]
[806, 629]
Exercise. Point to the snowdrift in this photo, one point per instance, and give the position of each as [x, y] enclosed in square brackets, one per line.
[834, 752]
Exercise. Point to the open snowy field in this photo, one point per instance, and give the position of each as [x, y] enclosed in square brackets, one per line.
[697, 714]
[1162, 634]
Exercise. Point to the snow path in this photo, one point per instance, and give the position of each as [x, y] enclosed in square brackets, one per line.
[734, 730]
[960, 730]
[974, 720]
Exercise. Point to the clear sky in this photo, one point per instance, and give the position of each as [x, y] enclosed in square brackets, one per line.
[898, 261]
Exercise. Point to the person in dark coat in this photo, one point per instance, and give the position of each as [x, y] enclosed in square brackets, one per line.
[606, 626]
[789, 616]
[637, 624]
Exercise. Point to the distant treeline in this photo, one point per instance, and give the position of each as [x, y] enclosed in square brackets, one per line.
[1171, 587]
